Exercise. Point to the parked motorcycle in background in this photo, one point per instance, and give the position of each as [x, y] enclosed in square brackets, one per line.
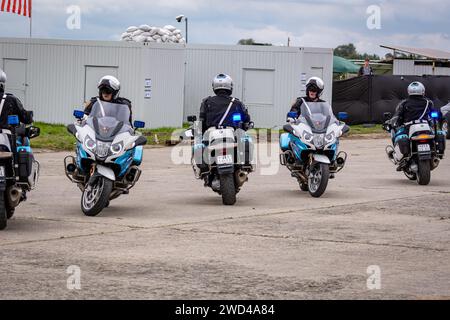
[226, 155]
[108, 155]
[19, 171]
[426, 146]
[309, 148]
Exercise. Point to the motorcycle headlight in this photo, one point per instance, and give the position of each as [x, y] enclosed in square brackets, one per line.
[330, 137]
[116, 148]
[319, 140]
[308, 137]
[102, 149]
[90, 144]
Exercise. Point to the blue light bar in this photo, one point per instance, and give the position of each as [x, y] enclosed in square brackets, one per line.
[237, 117]
[435, 115]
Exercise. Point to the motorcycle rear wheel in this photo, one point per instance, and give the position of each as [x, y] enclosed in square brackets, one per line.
[228, 189]
[94, 199]
[424, 174]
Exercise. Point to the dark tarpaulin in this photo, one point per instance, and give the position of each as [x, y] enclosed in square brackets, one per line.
[366, 98]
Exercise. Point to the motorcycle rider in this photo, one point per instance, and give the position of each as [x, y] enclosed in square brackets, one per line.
[11, 105]
[415, 107]
[108, 91]
[214, 108]
[219, 109]
[314, 89]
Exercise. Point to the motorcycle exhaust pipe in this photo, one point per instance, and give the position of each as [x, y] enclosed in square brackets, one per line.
[14, 194]
[241, 178]
[436, 162]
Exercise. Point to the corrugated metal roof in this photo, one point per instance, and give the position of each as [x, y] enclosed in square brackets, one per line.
[425, 52]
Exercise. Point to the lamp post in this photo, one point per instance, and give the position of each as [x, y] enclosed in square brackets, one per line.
[179, 19]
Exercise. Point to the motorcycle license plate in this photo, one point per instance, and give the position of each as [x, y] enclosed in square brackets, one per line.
[423, 148]
[228, 159]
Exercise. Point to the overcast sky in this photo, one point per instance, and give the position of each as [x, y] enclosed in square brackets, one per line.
[323, 23]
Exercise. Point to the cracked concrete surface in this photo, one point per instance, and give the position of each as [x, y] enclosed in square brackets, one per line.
[172, 239]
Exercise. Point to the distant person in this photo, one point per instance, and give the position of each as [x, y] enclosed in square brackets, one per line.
[108, 91]
[366, 69]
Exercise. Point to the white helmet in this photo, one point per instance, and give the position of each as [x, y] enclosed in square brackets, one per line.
[315, 83]
[416, 89]
[2, 80]
[109, 84]
[222, 82]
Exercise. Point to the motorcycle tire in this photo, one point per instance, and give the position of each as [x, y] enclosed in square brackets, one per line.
[3, 214]
[228, 189]
[318, 181]
[424, 173]
[105, 187]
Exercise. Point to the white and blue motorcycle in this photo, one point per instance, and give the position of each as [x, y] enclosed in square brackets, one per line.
[19, 170]
[309, 148]
[108, 154]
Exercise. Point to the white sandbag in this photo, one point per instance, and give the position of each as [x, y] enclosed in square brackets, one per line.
[150, 39]
[182, 40]
[177, 31]
[156, 37]
[164, 38]
[179, 36]
[140, 39]
[154, 31]
[146, 34]
[137, 33]
[158, 40]
[145, 27]
[170, 28]
[163, 32]
[132, 29]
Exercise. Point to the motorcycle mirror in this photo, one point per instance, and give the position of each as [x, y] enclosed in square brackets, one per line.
[192, 118]
[188, 134]
[13, 120]
[139, 124]
[387, 116]
[34, 132]
[342, 116]
[78, 114]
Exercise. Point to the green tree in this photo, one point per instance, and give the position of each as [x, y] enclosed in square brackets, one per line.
[348, 51]
[251, 42]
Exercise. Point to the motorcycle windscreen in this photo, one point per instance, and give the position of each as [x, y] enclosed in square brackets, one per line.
[318, 115]
[109, 119]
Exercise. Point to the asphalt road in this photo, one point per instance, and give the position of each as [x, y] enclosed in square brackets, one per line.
[171, 238]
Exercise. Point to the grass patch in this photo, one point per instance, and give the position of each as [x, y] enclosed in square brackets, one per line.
[360, 129]
[53, 137]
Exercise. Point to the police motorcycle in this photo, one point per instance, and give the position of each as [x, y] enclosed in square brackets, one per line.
[108, 155]
[445, 110]
[422, 149]
[19, 171]
[309, 146]
[226, 155]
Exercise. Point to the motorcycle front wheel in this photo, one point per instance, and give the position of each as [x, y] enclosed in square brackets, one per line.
[318, 179]
[96, 197]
